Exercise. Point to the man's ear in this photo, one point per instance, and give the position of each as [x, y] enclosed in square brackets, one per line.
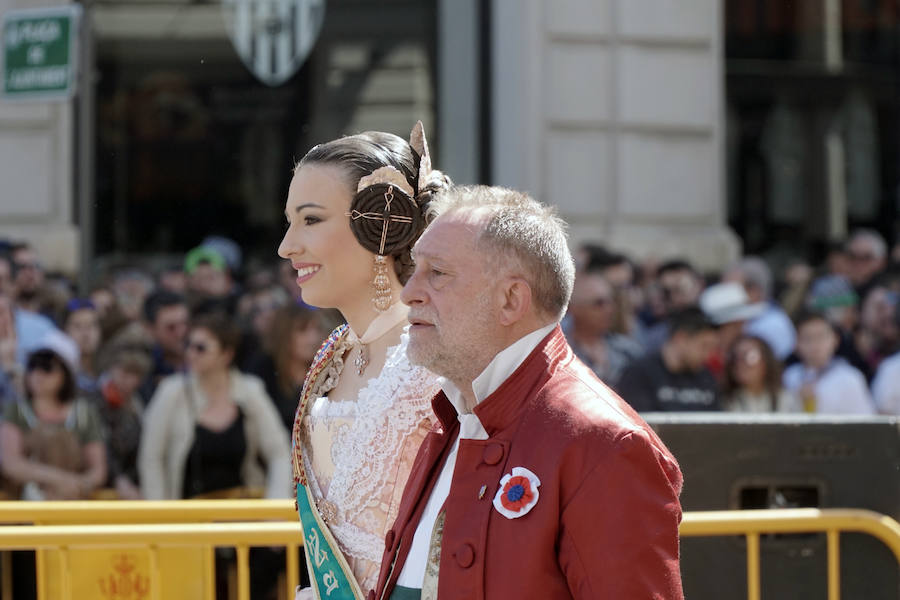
[515, 300]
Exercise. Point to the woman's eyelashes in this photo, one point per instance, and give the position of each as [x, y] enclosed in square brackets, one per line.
[311, 219]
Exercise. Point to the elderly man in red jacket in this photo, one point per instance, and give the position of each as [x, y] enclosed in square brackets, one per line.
[539, 482]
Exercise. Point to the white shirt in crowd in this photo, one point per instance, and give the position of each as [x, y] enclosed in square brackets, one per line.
[886, 386]
[840, 388]
[776, 329]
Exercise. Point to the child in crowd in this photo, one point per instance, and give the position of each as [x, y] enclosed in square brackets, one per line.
[822, 382]
[121, 410]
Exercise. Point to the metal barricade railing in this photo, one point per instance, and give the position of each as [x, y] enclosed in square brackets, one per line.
[241, 536]
[66, 525]
[832, 522]
[98, 512]
[123, 512]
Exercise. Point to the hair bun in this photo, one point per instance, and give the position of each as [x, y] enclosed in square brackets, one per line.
[385, 219]
[435, 183]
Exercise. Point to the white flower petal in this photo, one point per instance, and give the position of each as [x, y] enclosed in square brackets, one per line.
[535, 483]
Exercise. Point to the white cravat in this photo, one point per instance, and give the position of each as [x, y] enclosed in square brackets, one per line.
[470, 428]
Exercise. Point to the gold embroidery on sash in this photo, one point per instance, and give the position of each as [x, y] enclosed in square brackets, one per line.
[433, 565]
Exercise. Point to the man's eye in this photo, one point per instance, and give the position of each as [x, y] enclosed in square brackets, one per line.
[437, 272]
[311, 220]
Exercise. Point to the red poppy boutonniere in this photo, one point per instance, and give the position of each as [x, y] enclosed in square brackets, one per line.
[518, 493]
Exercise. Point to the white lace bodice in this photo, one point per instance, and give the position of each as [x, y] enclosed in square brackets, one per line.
[357, 455]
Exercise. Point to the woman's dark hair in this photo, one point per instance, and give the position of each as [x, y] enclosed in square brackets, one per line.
[74, 305]
[773, 368]
[361, 154]
[221, 326]
[280, 339]
[40, 359]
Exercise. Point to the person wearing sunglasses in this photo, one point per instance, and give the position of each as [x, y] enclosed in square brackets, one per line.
[206, 431]
[51, 440]
[27, 277]
[868, 255]
[166, 318]
[677, 287]
[22, 293]
[592, 309]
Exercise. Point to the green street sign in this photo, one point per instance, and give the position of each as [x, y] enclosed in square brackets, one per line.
[39, 52]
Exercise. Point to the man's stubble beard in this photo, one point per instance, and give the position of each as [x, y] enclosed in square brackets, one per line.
[459, 359]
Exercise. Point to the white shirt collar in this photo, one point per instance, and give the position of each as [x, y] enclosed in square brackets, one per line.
[498, 370]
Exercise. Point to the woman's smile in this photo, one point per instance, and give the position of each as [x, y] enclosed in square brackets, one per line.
[305, 272]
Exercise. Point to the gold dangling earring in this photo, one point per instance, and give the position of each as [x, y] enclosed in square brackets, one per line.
[382, 285]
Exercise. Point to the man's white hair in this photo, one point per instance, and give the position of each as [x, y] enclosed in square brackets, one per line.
[756, 273]
[873, 238]
[517, 232]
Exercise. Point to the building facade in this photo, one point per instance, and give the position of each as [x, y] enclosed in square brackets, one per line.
[659, 128]
[38, 171]
[612, 110]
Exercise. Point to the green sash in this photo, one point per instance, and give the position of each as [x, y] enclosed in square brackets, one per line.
[328, 569]
[329, 572]
[402, 593]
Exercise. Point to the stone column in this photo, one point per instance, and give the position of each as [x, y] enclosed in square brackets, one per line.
[613, 111]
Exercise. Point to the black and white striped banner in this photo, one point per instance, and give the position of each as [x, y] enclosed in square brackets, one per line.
[273, 37]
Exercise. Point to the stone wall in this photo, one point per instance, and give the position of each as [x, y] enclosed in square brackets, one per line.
[612, 110]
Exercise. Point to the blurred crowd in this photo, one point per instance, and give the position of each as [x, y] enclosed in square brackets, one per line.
[182, 382]
[809, 338]
[175, 383]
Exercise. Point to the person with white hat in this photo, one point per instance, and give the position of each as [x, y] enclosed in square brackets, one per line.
[729, 308]
[51, 440]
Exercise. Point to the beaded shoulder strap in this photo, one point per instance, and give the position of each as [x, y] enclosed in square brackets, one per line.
[317, 375]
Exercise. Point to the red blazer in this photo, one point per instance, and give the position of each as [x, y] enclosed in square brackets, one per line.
[606, 521]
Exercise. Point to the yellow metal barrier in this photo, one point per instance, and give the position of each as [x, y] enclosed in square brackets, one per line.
[98, 512]
[65, 525]
[126, 570]
[752, 523]
[241, 536]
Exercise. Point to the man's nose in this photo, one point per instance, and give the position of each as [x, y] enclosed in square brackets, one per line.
[412, 291]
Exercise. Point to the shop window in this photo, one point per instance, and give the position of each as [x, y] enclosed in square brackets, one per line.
[812, 121]
[190, 143]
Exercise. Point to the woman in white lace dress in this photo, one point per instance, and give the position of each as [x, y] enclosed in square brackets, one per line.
[355, 207]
